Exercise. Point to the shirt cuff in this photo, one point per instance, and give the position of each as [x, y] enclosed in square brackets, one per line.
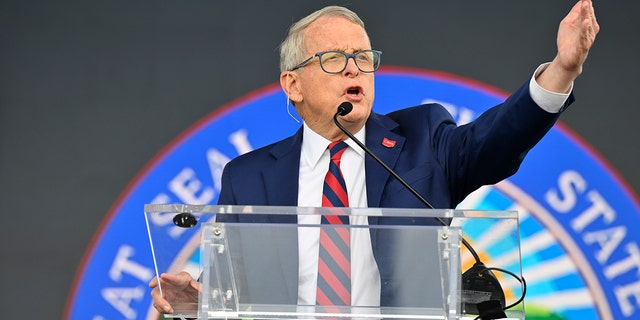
[551, 102]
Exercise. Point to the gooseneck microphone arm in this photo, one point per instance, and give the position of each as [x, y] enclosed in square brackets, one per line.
[343, 110]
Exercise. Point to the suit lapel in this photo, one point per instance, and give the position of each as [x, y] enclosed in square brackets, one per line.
[281, 175]
[379, 131]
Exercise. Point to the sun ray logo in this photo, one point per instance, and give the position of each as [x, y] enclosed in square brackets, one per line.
[580, 252]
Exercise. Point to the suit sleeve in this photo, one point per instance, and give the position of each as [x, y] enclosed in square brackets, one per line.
[492, 147]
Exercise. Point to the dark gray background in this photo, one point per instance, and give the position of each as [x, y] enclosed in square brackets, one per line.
[90, 91]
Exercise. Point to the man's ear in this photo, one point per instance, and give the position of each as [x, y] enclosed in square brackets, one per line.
[290, 86]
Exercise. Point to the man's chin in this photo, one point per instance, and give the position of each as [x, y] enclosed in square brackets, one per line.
[353, 123]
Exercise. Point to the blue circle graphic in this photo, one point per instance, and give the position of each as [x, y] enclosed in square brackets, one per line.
[578, 218]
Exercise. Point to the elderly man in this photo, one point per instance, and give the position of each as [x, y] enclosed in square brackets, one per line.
[326, 60]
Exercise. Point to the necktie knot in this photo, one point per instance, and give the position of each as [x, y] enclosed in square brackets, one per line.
[336, 149]
[335, 189]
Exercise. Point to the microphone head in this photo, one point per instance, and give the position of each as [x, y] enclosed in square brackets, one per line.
[344, 108]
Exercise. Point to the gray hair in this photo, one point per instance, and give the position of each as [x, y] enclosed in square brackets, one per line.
[292, 49]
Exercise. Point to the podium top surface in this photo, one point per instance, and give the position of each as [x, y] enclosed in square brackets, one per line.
[289, 210]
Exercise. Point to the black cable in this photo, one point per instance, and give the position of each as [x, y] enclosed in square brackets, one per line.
[520, 279]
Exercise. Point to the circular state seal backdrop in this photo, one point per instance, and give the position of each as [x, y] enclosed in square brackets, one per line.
[579, 249]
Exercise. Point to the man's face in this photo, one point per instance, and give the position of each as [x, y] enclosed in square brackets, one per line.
[321, 92]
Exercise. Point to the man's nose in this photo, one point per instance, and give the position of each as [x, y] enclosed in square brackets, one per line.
[352, 68]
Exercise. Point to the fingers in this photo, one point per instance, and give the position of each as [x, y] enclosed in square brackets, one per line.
[580, 29]
[576, 11]
[171, 284]
[589, 27]
[195, 285]
[178, 288]
[153, 283]
[181, 279]
[589, 16]
[162, 307]
[167, 278]
[159, 303]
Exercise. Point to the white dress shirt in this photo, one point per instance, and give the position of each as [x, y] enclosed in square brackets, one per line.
[314, 163]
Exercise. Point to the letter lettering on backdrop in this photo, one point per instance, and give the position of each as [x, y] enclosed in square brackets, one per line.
[569, 182]
[186, 187]
[121, 298]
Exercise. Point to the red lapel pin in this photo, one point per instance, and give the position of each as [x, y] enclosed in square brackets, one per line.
[388, 143]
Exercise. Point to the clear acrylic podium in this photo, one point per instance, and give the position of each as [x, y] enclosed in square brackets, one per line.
[248, 266]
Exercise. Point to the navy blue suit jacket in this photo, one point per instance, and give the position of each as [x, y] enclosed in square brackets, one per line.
[442, 161]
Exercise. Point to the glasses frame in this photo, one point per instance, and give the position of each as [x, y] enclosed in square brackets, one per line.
[347, 55]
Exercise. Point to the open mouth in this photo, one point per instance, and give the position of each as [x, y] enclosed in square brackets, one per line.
[354, 92]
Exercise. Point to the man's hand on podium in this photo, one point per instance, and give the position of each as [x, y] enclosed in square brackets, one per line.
[177, 289]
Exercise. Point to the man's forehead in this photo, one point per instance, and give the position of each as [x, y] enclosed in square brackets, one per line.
[335, 33]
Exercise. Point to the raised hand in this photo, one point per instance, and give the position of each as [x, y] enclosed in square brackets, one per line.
[576, 36]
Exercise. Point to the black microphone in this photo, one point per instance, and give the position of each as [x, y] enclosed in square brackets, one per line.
[343, 110]
[478, 279]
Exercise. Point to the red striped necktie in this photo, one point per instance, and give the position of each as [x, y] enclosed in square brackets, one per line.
[334, 261]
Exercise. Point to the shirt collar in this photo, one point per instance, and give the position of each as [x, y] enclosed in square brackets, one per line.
[315, 145]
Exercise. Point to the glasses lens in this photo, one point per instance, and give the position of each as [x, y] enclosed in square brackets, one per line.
[368, 61]
[333, 61]
[336, 61]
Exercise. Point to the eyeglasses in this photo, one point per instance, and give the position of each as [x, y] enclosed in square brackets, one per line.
[336, 61]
